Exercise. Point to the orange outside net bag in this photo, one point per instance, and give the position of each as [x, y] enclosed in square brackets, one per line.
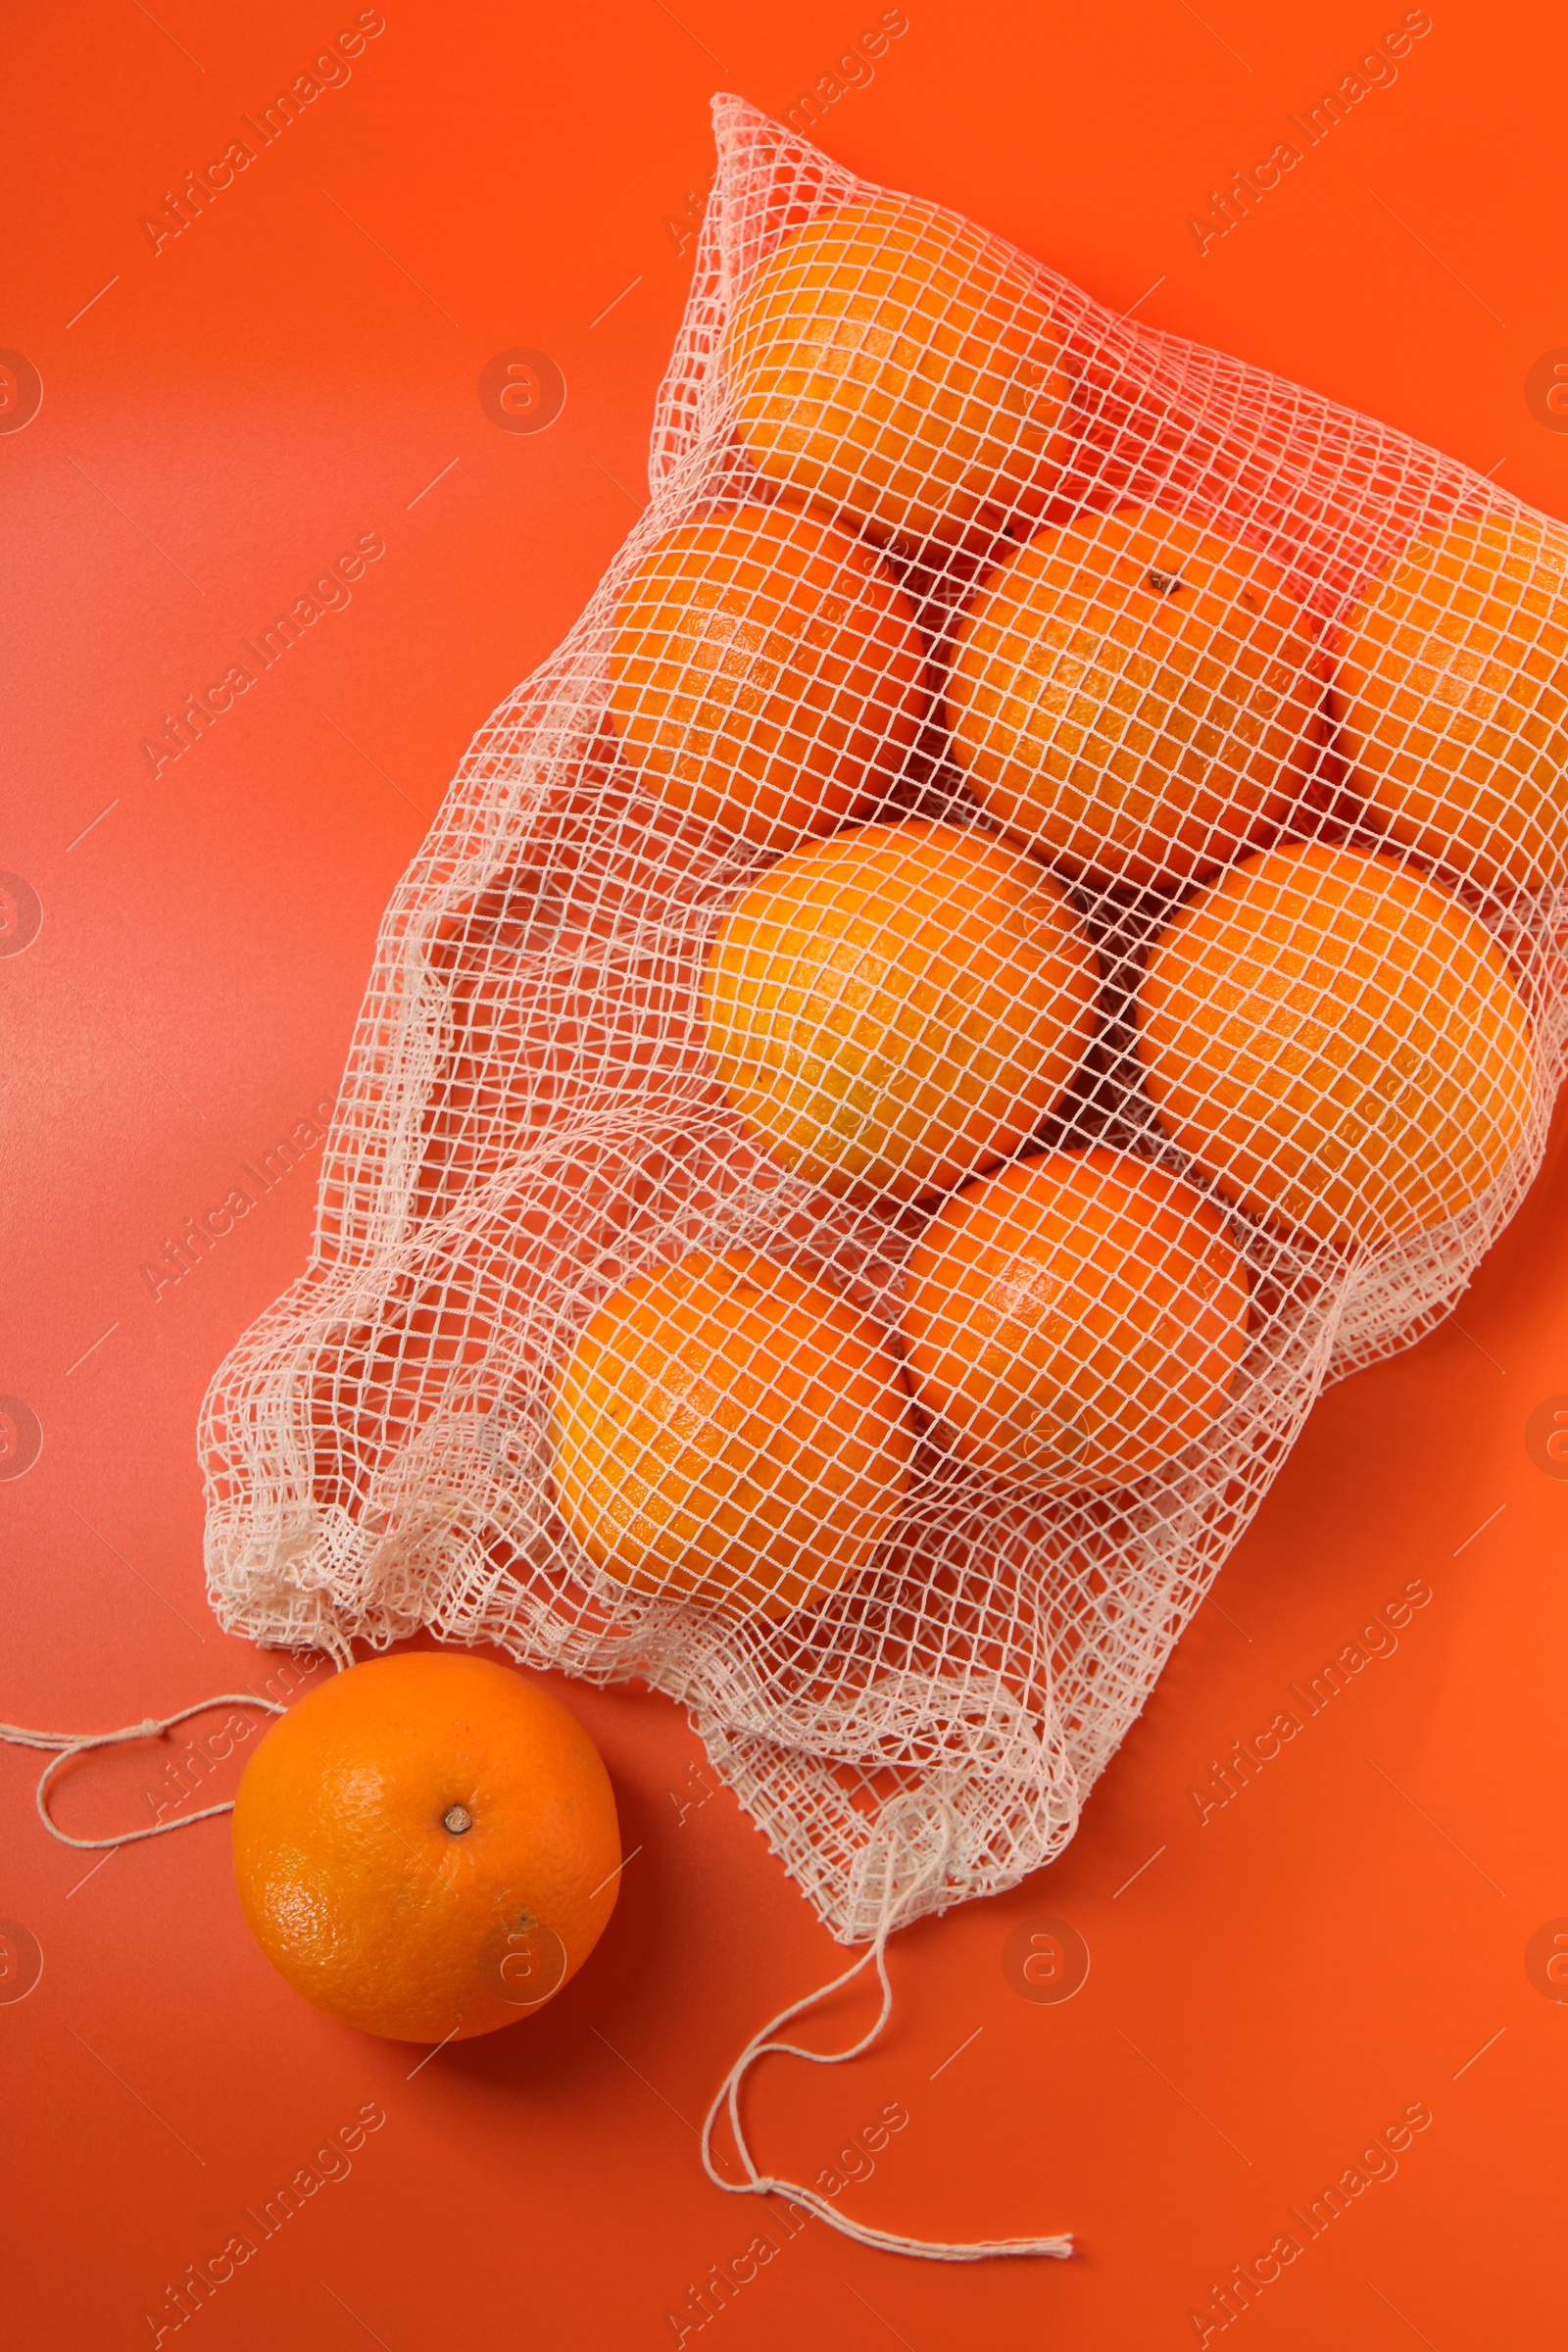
[1019, 935]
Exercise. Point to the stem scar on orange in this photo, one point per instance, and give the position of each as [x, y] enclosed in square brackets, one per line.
[1452, 694]
[427, 1846]
[1135, 697]
[896, 1010]
[766, 673]
[729, 1433]
[1075, 1322]
[1338, 1043]
[903, 366]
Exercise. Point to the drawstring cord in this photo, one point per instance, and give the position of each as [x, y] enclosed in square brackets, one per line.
[79, 1743]
[762, 2045]
[68, 1744]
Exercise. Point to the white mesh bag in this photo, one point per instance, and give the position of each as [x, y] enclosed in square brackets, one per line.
[1018, 935]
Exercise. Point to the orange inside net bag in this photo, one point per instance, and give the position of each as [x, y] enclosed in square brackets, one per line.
[1019, 935]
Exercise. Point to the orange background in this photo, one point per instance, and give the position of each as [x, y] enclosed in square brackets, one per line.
[1284, 1979]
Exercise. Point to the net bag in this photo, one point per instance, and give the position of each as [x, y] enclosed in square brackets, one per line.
[1018, 936]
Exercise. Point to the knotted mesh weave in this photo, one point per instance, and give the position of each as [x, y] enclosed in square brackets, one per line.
[551, 1098]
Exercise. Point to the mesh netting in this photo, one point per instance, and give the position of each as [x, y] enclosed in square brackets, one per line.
[1017, 936]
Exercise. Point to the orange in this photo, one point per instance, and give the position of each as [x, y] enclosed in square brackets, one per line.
[896, 1010]
[1135, 697]
[427, 1846]
[1337, 1044]
[730, 1433]
[902, 365]
[1075, 1321]
[766, 673]
[1452, 694]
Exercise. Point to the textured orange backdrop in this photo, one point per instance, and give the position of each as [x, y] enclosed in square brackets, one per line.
[1274, 1980]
